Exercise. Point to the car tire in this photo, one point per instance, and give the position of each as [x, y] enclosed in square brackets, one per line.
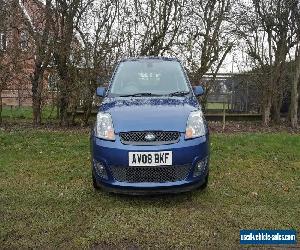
[204, 185]
[95, 185]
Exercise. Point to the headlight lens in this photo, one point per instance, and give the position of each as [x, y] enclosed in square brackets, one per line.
[104, 127]
[195, 126]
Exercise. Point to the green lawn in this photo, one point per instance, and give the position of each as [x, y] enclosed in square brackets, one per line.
[47, 201]
[48, 112]
[214, 105]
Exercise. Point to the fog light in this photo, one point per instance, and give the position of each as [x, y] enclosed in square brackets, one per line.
[200, 167]
[100, 169]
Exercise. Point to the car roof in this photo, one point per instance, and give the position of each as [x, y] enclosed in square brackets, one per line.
[144, 58]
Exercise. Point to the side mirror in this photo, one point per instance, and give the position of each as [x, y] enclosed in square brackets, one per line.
[198, 90]
[101, 91]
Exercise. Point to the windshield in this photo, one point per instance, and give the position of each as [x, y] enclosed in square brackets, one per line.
[149, 77]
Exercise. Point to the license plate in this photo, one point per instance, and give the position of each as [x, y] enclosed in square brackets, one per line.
[162, 158]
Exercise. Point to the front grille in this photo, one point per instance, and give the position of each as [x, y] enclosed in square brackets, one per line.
[139, 137]
[150, 174]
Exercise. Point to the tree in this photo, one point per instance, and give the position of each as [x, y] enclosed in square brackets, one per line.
[41, 33]
[266, 28]
[155, 25]
[205, 42]
[275, 19]
[251, 35]
[100, 49]
[295, 90]
[10, 60]
[67, 17]
[5, 70]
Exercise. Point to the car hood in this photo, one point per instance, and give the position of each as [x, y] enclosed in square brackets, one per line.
[149, 113]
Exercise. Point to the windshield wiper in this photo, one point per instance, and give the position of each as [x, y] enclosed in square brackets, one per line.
[179, 93]
[139, 94]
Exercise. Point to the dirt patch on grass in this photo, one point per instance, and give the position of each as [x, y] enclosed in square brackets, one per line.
[250, 126]
[125, 244]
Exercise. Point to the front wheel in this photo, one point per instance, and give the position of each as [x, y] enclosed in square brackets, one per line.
[95, 185]
[204, 185]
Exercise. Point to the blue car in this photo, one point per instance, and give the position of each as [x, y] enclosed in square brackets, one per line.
[150, 134]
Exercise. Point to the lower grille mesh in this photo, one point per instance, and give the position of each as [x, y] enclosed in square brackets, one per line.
[150, 174]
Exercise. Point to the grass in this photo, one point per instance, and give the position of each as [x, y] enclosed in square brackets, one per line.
[11, 112]
[215, 105]
[47, 201]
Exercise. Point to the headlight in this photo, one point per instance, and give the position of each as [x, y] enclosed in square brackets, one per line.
[195, 126]
[104, 127]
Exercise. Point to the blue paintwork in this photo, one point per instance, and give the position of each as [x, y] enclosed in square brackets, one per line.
[144, 114]
[149, 113]
[184, 152]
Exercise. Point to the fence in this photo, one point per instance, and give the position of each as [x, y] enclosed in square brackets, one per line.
[234, 93]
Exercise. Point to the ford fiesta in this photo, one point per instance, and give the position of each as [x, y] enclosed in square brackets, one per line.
[150, 134]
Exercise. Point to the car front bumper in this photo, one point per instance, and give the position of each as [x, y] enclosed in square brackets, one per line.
[114, 153]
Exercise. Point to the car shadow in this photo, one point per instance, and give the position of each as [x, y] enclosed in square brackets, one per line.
[161, 200]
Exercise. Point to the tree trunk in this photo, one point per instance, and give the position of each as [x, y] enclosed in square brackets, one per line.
[295, 95]
[63, 106]
[73, 114]
[0, 108]
[64, 96]
[57, 106]
[268, 89]
[278, 77]
[37, 96]
[276, 107]
[87, 112]
[266, 112]
[276, 84]
[37, 117]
